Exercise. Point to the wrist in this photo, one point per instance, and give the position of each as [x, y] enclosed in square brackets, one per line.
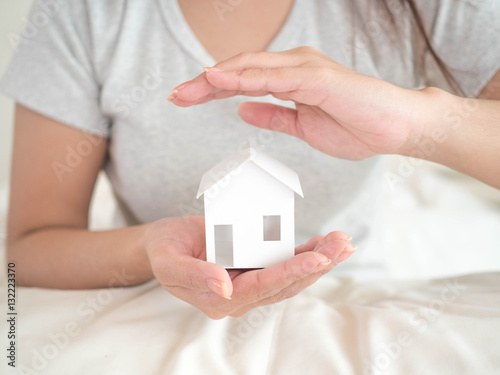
[138, 260]
[432, 123]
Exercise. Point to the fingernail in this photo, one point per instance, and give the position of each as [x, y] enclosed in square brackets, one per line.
[348, 238]
[212, 70]
[172, 97]
[218, 287]
[176, 89]
[346, 253]
[325, 262]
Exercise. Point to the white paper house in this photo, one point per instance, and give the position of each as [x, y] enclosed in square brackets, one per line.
[249, 210]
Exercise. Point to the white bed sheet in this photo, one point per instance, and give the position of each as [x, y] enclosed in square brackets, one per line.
[337, 327]
[416, 323]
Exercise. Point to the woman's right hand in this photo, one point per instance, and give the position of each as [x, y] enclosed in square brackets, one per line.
[176, 251]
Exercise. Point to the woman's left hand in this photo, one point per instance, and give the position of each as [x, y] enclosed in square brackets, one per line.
[338, 111]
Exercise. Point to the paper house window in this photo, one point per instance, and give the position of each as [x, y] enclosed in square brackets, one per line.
[240, 194]
[272, 228]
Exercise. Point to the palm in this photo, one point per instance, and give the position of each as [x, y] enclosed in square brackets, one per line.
[176, 248]
[338, 111]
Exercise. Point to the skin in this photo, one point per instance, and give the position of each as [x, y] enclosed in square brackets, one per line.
[49, 240]
[252, 24]
[353, 116]
[48, 234]
[339, 111]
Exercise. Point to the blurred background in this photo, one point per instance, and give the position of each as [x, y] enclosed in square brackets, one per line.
[437, 222]
[12, 15]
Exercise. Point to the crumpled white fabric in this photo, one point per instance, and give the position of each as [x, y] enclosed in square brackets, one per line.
[338, 326]
[444, 326]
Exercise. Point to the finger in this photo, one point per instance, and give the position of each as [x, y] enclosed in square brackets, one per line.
[260, 284]
[308, 246]
[336, 246]
[215, 307]
[337, 235]
[211, 304]
[293, 57]
[194, 95]
[191, 92]
[285, 120]
[281, 79]
[197, 275]
[255, 285]
[289, 292]
[311, 244]
[271, 116]
[199, 87]
[176, 259]
[306, 85]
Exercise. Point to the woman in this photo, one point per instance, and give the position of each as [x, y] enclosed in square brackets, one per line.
[105, 69]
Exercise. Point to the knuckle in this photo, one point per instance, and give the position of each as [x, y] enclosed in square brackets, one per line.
[191, 281]
[264, 294]
[244, 56]
[308, 49]
[286, 294]
[339, 235]
[297, 270]
[261, 291]
[277, 121]
[273, 299]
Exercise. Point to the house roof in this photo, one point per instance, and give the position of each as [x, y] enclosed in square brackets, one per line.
[248, 154]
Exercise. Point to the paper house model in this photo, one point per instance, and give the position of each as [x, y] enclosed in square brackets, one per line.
[249, 210]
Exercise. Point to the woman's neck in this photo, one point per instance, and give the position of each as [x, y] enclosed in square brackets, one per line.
[226, 28]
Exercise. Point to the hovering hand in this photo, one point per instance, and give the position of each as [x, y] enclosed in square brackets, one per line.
[338, 111]
[176, 250]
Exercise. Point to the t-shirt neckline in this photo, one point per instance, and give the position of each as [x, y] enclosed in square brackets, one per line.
[186, 38]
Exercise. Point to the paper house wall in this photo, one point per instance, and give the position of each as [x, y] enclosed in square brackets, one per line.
[249, 210]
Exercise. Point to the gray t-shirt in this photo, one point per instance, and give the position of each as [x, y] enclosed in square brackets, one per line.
[107, 67]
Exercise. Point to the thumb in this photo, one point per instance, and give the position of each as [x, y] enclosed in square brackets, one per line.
[270, 116]
[195, 274]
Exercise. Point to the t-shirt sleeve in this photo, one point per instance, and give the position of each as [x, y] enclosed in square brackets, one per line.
[466, 36]
[52, 71]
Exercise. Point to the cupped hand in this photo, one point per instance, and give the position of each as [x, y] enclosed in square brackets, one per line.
[176, 251]
[337, 110]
